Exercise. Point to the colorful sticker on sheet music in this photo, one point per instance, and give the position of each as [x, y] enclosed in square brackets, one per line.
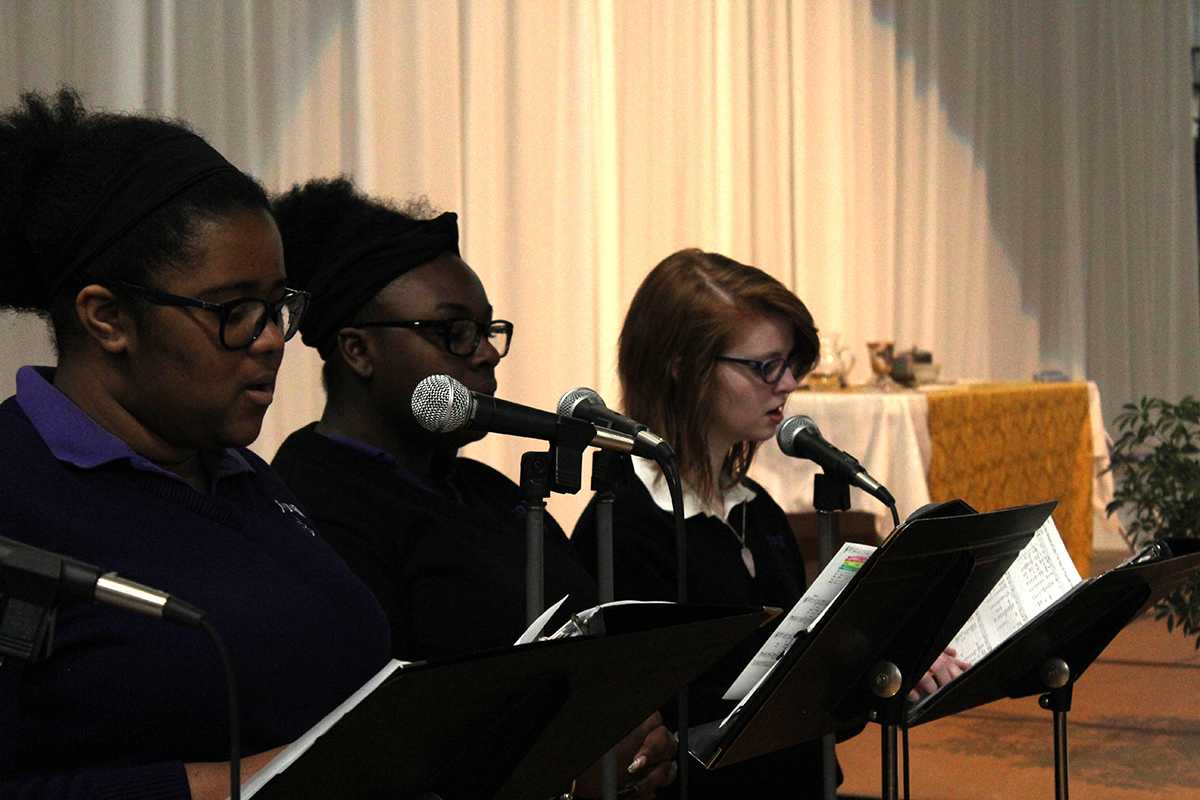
[853, 563]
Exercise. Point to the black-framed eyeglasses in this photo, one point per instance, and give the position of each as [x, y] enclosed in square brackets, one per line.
[772, 369]
[461, 336]
[242, 320]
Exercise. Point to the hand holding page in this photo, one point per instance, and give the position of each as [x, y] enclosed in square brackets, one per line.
[1042, 573]
[1075, 629]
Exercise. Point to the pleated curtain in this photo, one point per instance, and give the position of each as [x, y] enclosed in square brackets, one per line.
[1008, 184]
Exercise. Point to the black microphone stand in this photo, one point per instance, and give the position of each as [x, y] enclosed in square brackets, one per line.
[535, 488]
[607, 472]
[559, 469]
[606, 478]
[831, 495]
[670, 469]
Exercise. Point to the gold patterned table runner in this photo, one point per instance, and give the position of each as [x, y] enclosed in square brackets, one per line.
[999, 445]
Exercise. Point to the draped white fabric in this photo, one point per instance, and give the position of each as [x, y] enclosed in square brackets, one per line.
[1009, 184]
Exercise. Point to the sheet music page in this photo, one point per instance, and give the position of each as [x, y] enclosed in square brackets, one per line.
[804, 615]
[1040, 575]
[748, 694]
[297, 748]
[580, 623]
[535, 627]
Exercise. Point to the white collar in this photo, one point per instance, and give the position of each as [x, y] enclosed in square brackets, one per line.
[652, 478]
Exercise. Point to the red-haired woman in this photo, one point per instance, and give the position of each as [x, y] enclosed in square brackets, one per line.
[709, 352]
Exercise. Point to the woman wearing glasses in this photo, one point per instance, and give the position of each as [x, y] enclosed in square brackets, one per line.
[433, 534]
[708, 354]
[161, 272]
[438, 537]
[709, 351]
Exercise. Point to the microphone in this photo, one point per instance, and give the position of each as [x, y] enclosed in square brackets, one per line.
[586, 404]
[49, 574]
[34, 582]
[441, 404]
[800, 437]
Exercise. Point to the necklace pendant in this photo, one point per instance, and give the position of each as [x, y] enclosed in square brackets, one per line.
[748, 560]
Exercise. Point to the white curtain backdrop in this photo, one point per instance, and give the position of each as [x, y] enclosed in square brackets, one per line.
[1009, 184]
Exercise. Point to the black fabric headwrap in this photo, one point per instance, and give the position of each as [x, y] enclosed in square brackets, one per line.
[150, 180]
[347, 280]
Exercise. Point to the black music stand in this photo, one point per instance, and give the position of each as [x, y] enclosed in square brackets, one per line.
[516, 723]
[879, 635]
[1053, 650]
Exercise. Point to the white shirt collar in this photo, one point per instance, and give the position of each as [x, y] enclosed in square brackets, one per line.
[652, 478]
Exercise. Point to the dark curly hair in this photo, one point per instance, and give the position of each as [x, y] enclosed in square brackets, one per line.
[55, 161]
[323, 218]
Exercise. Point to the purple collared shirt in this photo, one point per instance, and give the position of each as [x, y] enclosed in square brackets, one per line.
[76, 438]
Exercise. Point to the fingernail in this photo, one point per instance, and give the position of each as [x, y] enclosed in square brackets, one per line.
[671, 773]
[637, 764]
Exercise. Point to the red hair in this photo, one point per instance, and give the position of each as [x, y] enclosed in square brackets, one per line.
[682, 316]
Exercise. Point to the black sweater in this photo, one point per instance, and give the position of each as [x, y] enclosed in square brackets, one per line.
[447, 562]
[644, 568]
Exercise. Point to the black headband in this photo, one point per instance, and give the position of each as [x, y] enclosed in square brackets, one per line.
[150, 180]
[354, 275]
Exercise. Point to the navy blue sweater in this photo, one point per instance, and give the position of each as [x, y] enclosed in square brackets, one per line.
[124, 701]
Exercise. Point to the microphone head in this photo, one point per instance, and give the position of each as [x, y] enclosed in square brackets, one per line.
[441, 404]
[568, 402]
[785, 434]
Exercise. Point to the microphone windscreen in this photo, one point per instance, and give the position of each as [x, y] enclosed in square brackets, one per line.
[566, 405]
[441, 404]
[785, 435]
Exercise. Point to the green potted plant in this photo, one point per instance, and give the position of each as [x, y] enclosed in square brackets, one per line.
[1156, 463]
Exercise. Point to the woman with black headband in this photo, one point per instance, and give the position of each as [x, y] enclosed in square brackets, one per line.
[161, 272]
[439, 538]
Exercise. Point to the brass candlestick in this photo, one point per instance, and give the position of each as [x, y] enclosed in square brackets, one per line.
[881, 354]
